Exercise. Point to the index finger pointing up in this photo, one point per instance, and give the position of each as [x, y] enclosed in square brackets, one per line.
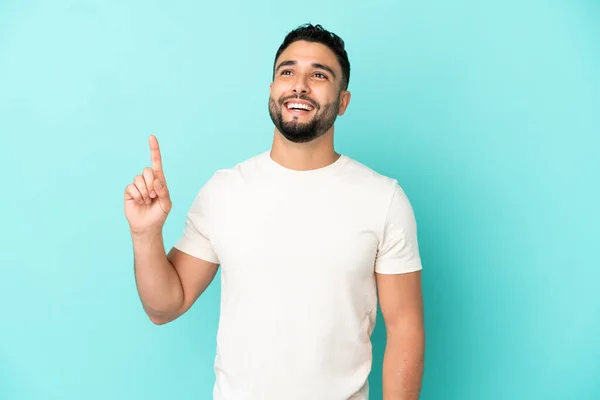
[156, 158]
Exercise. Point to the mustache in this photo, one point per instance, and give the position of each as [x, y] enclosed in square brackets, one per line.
[300, 97]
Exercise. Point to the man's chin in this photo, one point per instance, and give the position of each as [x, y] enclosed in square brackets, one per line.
[297, 119]
[298, 134]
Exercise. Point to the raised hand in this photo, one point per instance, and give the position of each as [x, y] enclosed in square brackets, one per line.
[147, 199]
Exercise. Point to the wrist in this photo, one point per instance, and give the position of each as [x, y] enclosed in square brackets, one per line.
[145, 235]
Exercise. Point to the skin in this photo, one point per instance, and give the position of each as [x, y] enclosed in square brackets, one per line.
[318, 84]
[168, 284]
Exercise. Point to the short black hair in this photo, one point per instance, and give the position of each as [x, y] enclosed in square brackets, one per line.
[318, 34]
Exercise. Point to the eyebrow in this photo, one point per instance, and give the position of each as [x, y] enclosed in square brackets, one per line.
[314, 65]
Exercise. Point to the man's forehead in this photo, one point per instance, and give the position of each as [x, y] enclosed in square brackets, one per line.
[304, 52]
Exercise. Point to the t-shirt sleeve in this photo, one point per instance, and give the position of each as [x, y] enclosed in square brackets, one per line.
[398, 250]
[195, 239]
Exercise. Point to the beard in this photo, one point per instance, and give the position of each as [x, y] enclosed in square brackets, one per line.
[303, 132]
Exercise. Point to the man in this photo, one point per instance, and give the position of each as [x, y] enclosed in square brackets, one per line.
[307, 240]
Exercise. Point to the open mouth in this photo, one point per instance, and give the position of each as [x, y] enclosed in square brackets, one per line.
[298, 108]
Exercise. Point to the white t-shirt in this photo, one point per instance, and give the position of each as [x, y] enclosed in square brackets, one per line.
[298, 251]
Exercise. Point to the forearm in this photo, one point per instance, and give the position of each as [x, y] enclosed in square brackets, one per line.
[403, 365]
[157, 281]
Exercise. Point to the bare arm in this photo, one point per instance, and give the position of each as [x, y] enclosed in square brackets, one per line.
[402, 308]
[168, 285]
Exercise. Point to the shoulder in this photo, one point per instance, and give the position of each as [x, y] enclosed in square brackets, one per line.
[367, 179]
[223, 180]
[245, 167]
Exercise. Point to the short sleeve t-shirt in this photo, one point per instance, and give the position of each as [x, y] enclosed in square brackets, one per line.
[298, 252]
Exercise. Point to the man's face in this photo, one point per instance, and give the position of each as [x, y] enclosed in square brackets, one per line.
[306, 94]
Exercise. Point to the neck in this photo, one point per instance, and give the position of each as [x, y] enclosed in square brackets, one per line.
[304, 156]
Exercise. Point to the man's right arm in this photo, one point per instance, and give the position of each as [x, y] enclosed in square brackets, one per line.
[168, 284]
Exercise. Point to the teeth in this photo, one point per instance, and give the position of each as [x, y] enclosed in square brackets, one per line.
[299, 105]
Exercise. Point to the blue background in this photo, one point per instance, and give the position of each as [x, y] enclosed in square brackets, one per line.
[488, 113]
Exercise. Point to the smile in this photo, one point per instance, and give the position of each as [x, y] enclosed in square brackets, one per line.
[299, 106]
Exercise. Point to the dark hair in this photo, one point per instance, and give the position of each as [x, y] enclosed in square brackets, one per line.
[316, 33]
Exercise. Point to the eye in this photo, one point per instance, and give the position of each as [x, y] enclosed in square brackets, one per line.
[320, 75]
[285, 72]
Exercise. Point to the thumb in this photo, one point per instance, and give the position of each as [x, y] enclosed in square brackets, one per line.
[164, 198]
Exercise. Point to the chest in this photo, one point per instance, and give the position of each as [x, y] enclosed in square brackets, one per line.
[296, 234]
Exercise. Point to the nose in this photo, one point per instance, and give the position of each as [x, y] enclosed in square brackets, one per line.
[300, 85]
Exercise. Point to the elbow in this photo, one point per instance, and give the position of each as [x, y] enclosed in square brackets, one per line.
[159, 317]
[414, 335]
[156, 320]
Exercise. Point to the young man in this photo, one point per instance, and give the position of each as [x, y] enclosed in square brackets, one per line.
[307, 239]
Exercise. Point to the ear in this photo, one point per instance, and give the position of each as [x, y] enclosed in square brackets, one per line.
[344, 101]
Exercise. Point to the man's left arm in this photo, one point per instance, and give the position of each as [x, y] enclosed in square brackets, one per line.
[401, 304]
